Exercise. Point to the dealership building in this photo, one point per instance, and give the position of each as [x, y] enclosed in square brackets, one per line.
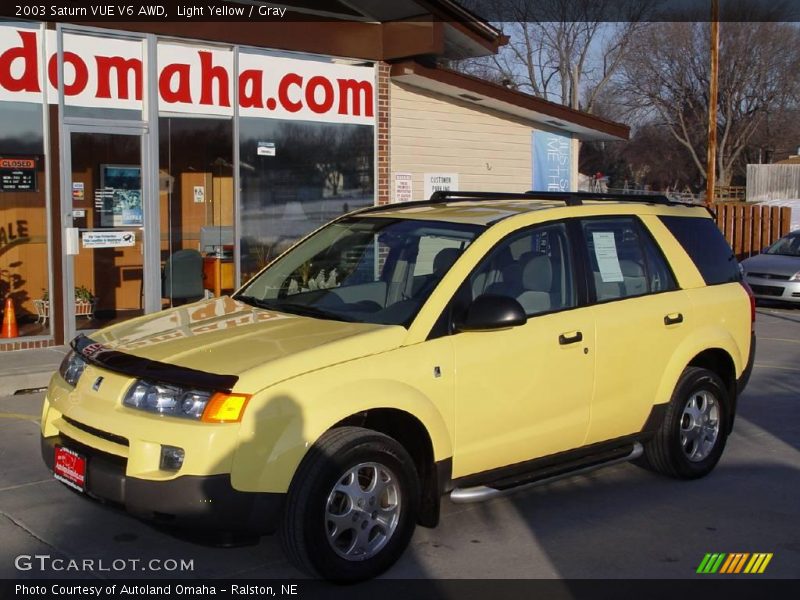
[140, 160]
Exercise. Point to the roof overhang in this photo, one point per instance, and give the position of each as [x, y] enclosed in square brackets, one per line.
[496, 97]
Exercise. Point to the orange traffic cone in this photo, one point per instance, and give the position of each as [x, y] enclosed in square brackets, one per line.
[10, 329]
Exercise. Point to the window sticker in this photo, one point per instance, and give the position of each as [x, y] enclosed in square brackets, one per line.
[605, 249]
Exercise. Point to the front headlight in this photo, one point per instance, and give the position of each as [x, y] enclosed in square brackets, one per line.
[72, 367]
[167, 400]
[795, 277]
[164, 399]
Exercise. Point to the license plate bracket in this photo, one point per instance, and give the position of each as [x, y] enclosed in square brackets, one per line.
[69, 467]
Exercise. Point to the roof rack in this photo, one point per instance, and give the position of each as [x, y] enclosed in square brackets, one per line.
[569, 198]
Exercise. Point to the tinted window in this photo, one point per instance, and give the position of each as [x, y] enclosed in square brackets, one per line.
[705, 245]
[533, 266]
[623, 260]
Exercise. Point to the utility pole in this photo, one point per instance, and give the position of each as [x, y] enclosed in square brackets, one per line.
[576, 75]
[713, 92]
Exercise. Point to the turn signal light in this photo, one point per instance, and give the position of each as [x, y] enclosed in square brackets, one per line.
[225, 408]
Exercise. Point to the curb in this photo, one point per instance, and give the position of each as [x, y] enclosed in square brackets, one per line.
[25, 381]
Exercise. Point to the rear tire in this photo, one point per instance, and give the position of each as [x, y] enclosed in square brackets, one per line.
[352, 506]
[692, 436]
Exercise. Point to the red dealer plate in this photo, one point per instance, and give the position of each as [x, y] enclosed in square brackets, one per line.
[70, 468]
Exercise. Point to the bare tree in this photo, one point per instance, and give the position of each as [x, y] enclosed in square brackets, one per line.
[665, 78]
[565, 51]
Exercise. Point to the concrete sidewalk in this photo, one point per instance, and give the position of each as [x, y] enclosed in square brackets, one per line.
[26, 369]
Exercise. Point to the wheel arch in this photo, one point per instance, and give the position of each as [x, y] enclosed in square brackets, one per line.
[715, 351]
[412, 434]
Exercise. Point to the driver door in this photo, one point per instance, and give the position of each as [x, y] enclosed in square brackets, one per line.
[524, 392]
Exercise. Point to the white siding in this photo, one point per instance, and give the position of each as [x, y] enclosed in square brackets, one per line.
[431, 133]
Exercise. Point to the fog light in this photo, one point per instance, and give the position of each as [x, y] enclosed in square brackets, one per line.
[171, 458]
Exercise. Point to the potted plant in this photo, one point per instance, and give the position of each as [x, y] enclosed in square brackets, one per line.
[84, 301]
[84, 304]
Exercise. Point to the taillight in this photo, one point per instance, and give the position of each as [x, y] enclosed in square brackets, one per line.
[752, 301]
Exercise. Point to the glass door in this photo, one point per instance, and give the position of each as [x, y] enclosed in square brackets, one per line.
[104, 245]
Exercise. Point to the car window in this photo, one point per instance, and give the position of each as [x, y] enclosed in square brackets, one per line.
[786, 246]
[533, 266]
[706, 246]
[368, 270]
[623, 260]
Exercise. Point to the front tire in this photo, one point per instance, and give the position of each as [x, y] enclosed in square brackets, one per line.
[352, 506]
[691, 438]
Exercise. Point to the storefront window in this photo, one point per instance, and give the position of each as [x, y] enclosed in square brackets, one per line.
[296, 176]
[23, 216]
[197, 203]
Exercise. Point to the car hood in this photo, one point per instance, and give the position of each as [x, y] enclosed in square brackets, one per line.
[224, 336]
[772, 263]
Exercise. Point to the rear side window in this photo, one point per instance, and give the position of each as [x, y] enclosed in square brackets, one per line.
[623, 260]
[704, 243]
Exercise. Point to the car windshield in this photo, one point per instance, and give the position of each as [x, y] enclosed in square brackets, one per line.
[360, 269]
[788, 245]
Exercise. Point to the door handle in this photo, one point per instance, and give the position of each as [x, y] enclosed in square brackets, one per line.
[573, 337]
[673, 319]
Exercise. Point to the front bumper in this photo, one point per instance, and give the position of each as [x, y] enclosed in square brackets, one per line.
[207, 502]
[778, 290]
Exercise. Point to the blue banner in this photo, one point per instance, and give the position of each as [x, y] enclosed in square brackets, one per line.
[552, 164]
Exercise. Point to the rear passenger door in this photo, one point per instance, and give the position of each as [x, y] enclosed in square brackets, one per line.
[640, 317]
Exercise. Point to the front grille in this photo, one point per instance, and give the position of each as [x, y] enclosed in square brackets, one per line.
[103, 435]
[767, 290]
[769, 276]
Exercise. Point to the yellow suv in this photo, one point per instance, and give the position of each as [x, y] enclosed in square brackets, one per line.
[469, 345]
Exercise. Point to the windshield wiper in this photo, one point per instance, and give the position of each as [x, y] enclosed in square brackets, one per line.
[253, 301]
[296, 309]
[311, 311]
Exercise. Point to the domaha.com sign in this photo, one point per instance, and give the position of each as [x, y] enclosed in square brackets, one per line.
[109, 73]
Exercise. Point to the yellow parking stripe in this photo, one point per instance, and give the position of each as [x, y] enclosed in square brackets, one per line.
[18, 416]
[779, 340]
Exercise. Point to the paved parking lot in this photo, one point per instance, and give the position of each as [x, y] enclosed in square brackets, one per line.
[619, 522]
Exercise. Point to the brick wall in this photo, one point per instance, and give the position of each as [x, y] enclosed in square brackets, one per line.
[22, 344]
[383, 117]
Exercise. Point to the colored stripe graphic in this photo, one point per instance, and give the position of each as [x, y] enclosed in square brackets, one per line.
[711, 563]
[734, 563]
[758, 563]
[741, 562]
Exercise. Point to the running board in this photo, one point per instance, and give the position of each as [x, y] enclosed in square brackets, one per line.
[481, 493]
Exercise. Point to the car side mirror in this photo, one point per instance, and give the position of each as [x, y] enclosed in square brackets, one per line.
[491, 312]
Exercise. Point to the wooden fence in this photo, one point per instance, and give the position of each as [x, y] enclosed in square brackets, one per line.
[749, 228]
[772, 182]
[729, 193]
